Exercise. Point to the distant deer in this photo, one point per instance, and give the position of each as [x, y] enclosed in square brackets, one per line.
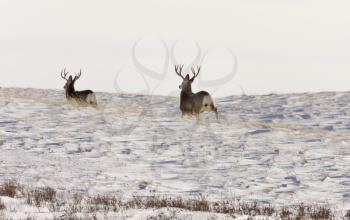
[77, 98]
[194, 103]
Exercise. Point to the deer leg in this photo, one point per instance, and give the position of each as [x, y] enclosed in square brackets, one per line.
[196, 113]
[215, 110]
[94, 104]
[193, 112]
[198, 117]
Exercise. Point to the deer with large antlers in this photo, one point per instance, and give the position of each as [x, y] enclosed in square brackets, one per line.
[193, 103]
[77, 98]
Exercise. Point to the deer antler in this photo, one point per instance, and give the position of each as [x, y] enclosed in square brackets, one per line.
[195, 73]
[64, 74]
[77, 76]
[178, 70]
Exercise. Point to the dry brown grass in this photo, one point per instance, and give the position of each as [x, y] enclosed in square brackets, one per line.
[38, 196]
[304, 212]
[168, 215]
[320, 212]
[196, 204]
[70, 205]
[2, 205]
[104, 203]
[9, 188]
[285, 214]
[347, 215]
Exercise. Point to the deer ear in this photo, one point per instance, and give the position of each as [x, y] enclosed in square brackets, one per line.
[70, 78]
[187, 77]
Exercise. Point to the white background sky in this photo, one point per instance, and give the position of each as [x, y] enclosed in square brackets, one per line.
[281, 46]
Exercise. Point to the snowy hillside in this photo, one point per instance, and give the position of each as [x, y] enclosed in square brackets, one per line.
[277, 149]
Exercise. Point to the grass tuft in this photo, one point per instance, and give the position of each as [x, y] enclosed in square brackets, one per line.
[9, 188]
[71, 206]
[2, 205]
[38, 196]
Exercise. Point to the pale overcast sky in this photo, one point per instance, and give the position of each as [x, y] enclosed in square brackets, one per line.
[280, 46]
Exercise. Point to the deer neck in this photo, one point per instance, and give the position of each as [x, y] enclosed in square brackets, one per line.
[187, 89]
[70, 91]
[186, 93]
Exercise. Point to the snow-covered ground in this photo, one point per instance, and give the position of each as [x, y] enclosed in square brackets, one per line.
[278, 149]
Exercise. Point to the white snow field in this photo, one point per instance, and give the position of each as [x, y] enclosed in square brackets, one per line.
[273, 149]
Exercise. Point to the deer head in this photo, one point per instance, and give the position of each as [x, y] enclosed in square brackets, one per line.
[69, 86]
[187, 81]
